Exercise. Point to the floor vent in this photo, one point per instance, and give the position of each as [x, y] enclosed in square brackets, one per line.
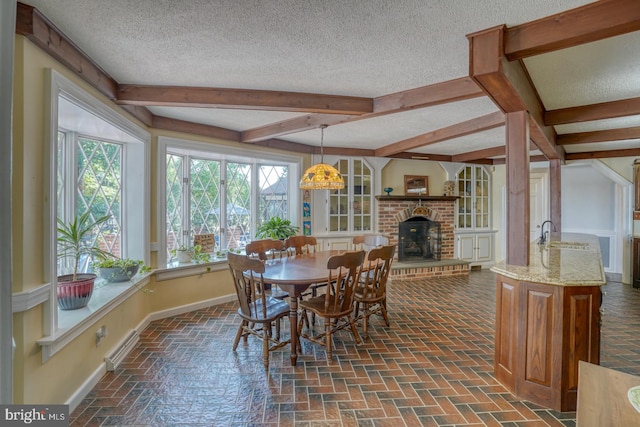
[114, 359]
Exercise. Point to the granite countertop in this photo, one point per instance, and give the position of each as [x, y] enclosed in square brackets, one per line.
[574, 260]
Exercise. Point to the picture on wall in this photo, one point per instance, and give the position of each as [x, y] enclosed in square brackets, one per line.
[416, 184]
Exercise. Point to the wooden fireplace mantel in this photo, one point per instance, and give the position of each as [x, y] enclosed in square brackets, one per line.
[417, 197]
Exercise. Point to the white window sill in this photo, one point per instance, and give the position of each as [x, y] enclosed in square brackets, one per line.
[107, 296]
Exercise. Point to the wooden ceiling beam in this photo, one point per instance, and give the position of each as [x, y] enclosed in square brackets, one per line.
[508, 85]
[244, 99]
[176, 125]
[34, 26]
[478, 124]
[440, 93]
[629, 152]
[479, 154]
[426, 96]
[599, 136]
[584, 24]
[421, 156]
[585, 113]
[286, 127]
[532, 159]
[43, 33]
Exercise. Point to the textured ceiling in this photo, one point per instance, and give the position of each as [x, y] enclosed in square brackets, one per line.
[365, 48]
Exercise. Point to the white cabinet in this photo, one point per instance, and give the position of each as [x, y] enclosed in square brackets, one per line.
[476, 248]
[335, 243]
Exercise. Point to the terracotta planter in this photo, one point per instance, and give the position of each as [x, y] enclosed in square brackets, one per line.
[73, 295]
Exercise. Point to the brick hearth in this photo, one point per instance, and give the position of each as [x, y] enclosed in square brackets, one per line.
[394, 209]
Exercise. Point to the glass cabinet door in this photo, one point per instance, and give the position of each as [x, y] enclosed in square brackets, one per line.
[474, 204]
[350, 209]
[481, 201]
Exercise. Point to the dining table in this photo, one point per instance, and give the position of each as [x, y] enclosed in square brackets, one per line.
[294, 274]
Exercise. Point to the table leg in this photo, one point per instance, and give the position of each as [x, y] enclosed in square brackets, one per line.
[293, 324]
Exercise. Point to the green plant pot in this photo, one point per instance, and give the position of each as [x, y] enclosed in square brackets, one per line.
[74, 295]
[118, 274]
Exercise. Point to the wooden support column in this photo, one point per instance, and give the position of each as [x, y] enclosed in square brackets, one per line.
[555, 199]
[517, 133]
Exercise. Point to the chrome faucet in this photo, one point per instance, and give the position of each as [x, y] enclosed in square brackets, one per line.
[543, 235]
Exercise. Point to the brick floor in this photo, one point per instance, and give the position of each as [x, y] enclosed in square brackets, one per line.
[432, 367]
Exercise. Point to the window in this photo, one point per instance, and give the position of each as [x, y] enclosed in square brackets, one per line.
[94, 184]
[222, 191]
[98, 163]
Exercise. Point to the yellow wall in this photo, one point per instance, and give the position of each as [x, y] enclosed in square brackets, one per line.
[394, 172]
[56, 380]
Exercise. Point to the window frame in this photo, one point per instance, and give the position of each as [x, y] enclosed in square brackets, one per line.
[135, 203]
[229, 154]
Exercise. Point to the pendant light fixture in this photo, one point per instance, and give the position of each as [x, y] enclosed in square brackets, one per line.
[322, 176]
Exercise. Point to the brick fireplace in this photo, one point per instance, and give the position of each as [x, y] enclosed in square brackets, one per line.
[392, 210]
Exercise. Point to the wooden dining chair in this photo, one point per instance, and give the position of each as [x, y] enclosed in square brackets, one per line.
[265, 248]
[369, 241]
[268, 249]
[298, 245]
[259, 312]
[335, 307]
[371, 293]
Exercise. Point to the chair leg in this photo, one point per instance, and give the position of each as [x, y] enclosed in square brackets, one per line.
[327, 338]
[265, 345]
[383, 308]
[354, 330]
[365, 320]
[239, 334]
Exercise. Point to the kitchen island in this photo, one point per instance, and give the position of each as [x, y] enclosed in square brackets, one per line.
[548, 319]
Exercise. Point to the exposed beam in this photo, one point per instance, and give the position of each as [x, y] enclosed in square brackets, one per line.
[427, 96]
[541, 137]
[555, 198]
[584, 24]
[517, 183]
[508, 85]
[440, 93]
[421, 156]
[286, 127]
[166, 123]
[599, 136]
[585, 113]
[478, 124]
[280, 144]
[629, 152]
[245, 99]
[345, 151]
[479, 154]
[33, 25]
[38, 29]
[532, 159]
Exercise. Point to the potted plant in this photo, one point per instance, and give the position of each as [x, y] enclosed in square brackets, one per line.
[75, 290]
[114, 269]
[276, 228]
[189, 254]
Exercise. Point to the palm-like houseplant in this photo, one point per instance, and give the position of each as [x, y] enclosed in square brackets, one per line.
[75, 290]
[276, 228]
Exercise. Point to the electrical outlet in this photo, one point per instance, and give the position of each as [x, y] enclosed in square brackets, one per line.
[100, 334]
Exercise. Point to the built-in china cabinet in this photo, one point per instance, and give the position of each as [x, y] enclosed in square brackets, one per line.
[351, 210]
[474, 238]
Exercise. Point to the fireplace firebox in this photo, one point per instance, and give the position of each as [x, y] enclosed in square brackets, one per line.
[419, 239]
